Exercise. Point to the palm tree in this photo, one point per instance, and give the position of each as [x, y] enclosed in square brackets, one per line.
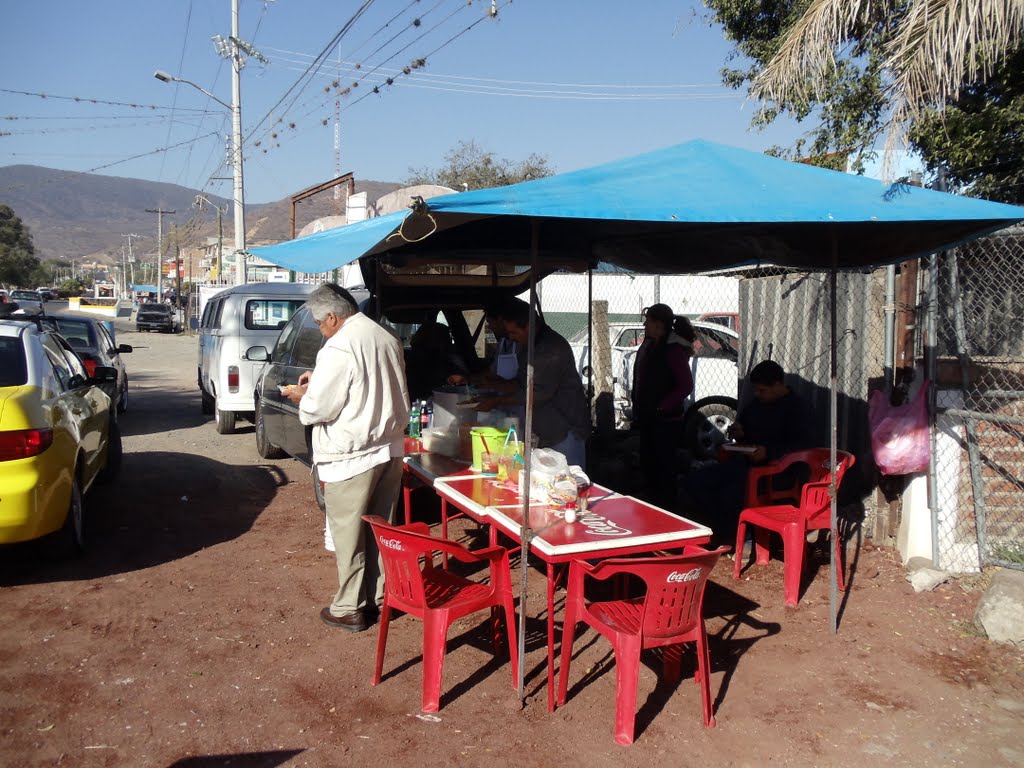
[936, 47]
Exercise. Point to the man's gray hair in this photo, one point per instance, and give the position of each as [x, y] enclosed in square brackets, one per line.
[330, 298]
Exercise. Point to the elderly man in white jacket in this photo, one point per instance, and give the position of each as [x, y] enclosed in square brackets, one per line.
[356, 400]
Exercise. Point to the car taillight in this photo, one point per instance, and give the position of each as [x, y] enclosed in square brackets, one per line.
[23, 443]
[232, 378]
[90, 366]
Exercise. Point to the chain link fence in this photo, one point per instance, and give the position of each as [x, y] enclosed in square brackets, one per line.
[979, 371]
[958, 322]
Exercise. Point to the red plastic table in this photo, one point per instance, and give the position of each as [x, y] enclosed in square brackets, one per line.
[613, 526]
[422, 469]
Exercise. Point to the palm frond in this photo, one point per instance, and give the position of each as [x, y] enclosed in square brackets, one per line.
[942, 44]
[800, 68]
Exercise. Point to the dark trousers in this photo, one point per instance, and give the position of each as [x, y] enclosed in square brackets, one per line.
[659, 462]
[715, 496]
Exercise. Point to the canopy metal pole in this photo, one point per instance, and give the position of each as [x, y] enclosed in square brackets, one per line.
[524, 528]
[833, 582]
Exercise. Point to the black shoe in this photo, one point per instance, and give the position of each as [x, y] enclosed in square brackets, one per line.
[350, 622]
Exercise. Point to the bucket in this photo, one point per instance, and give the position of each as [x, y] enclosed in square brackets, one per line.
[446, 406]
[486, 440]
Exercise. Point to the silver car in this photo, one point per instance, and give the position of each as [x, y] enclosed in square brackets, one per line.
[29, 302]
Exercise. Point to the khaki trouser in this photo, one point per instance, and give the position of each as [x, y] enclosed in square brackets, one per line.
[360, 571]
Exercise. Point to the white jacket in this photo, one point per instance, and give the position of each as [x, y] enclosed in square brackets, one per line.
[357, 399]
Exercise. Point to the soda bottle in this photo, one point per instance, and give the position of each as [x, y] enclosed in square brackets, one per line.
[414, 419]
[424, 415]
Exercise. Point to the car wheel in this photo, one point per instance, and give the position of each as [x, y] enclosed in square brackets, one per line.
[115, 456]
[225, 420]
[206, 403]
[264, 447]
[318, 491]
[705, 426]
[69, 541]
[122, 404]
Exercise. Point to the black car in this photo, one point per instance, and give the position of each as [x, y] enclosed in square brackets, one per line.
[157, 317]
[278, 430]
[93, 340]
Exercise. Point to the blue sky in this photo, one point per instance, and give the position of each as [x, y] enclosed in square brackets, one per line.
[578, 81]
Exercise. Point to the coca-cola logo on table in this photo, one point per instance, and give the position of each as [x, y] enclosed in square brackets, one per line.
[678, 578]
[602, 526]
[391, 543]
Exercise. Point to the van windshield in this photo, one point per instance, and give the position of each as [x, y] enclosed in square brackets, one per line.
[270, 314]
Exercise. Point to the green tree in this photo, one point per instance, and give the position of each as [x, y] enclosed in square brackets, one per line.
[979, 139]
[469, 166]
[18, 261]
[862, 70]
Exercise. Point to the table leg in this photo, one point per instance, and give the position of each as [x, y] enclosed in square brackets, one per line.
[551, 637]
[407, 499]
[444, 529]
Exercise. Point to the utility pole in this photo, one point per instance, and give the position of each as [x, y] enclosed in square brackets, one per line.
[160, 213]
[131, 256]
[233, 48]
[236, 127]
[200, 199]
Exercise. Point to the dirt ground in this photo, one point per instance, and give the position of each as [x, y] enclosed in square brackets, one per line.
[189, 636]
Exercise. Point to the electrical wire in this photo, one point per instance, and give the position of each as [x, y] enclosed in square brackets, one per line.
[91, 100]
[316, 62]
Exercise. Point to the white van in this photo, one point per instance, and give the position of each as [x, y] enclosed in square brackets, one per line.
[232, 321]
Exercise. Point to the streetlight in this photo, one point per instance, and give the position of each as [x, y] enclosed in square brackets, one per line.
[236, 156]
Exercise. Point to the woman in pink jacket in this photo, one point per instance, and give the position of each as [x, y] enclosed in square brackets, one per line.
[662, 381]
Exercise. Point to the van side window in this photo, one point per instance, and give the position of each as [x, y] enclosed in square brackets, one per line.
[211, 314]
[217, 311]
[270, 314]
[307, 343]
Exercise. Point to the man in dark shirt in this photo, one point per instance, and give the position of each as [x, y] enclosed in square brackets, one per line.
[775, 423]
[561, 414]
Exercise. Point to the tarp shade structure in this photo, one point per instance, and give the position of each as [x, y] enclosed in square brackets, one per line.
[692, 207]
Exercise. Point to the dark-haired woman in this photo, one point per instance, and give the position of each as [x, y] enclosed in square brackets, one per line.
[661, 383]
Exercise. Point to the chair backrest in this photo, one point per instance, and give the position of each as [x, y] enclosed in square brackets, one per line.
[785, 479]
[815, 496]
[675, 587]
[406, 550]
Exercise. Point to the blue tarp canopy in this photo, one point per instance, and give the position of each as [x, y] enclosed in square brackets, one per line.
[688, 208]
[144, 288]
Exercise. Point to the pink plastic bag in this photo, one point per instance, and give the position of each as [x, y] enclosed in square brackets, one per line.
[899, 433]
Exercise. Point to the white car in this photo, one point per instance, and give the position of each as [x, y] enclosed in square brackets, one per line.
[29, 302]
[710, 410]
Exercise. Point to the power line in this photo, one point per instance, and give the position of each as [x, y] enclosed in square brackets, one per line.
[83, 99]
[323, 53]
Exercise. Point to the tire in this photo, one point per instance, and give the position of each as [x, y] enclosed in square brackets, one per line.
[122, 403]
[70, 540]
[318, 491]
[115, 456]
[225, 420]
[206, 403]
[705, 425]
[264, 447]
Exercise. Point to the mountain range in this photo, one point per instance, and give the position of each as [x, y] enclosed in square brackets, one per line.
[86, 216]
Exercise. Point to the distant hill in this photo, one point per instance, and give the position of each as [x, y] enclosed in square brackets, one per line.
[84, 215]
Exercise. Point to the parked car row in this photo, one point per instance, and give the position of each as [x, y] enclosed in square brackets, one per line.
[58, 434]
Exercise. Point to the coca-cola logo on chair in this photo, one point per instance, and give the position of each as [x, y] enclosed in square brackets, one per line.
[391, 543]
[679, 578]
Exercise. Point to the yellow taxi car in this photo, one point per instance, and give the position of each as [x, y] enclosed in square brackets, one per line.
[58, 435]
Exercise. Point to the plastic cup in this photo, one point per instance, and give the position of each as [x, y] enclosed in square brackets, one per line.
[489, 464]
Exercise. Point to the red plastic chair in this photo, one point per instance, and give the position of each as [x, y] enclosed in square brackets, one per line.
[670, 613]
[437, 596]
[792, 519]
